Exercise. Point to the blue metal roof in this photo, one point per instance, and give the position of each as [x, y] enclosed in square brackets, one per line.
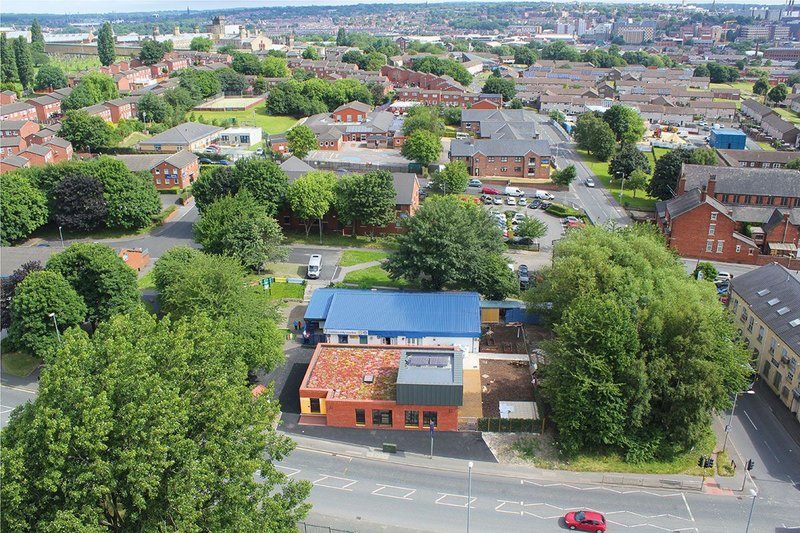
[441, 314]
[727, 131]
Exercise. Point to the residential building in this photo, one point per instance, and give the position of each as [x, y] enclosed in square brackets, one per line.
[500, 123]
[18, 111]
[11, 146]
[18, 128]
[355, 122]
[279, 143]
[766, 305]
[99, 110]
[351, 112]
[756, 158]
[782, 130]
[191, 136]
[46, 106]
[61, 149]
[240, 136]
[503, 158]
[347, 316]
[169, 171]
[123, 108]
[755, 110]
[38, 155]
[13, 162]
[7, 97]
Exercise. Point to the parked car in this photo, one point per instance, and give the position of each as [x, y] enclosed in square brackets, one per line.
[545, 205]
[567, 220]
[535, 203]
[526, 241]
[519, 217]
[496, 200]
[544, 195]
[205, 161]
[475, 183]
[223, 162]
[489, 190]
[524, 276]
[260, 151]
[723, 288]
[513, 191]
[522, 202]
[487, 200]
[589, 182]
[511, 200]
[585, 521]
[723, 276]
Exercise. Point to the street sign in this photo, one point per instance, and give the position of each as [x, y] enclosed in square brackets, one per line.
[431, 428]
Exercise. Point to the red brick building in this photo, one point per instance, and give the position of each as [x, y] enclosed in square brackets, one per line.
[7, 97]
[122, 108]
[61, 148]
[13, 162]
[17, 111]
[402, 77]
[38, 155]
[18, 128]
[46, 107]
[505, 158]
[740, 215]
[11, 146]
[383, 387]
[99, 110]
[169, 171]
[351, 112]
[449, 98]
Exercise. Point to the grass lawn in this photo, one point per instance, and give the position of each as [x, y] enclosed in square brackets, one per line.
[659, 152]
[374, 277]
[146, 282]
[357, 257]
[287, 290]
[766, 146]
[337, 239]
[540, 452]
[600, 169]
[50, 231]
[19, 364]
[268, 123]
[787, 114]
[132, 139]
[745, 88]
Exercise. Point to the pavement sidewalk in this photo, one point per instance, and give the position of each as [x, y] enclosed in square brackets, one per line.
[671, 482]
[341, 272]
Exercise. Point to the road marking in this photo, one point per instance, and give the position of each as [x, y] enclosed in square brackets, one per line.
[770, 451]
[293, 471]
[750, 419]
[389, 488]
[688, 510]
[608, 489]
[20, 389]
[503, 503]
[333, 479]
[457, 497]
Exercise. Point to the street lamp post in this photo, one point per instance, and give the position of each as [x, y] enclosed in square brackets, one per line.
[55, 323]
[469, 492]
[730, 418]
[61, 236]
[752, 506]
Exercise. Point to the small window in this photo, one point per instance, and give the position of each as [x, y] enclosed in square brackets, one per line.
[720, 245]
[712, 229]
[158, 181]
[772, 345]
[360, 417]
[750, 324]
[342, 339]
[381, 417]
[760, 337]
[709, 246]
[430, 417]
[362, 339]
[412, 419]
[738, 248]
[714, 215]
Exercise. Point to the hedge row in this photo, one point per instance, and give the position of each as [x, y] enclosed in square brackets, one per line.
[509, 425]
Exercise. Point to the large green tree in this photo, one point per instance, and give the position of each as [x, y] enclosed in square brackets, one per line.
[8, 287]
[311, 197]
[778, 94]
[275, 67]
[502, 86]
[106, 50]
[8, 60]
[165, 271]
[37, 37]
[423, 147]
[650, 350]
[628, 159]
[201, 44]
[565, 176]
[366, 200]
[50, 77]
[238, 226]
[40, 295]
[79, 203]
[23, 207]
[453, 179]
[24, 59]
[246, 63]
[595, 136]
[453, 244]
[626, 123]
[152, 52]
[85, 131]
[302, 140]
[664, 183]
[265, 180]
[167, 430]
[106, 284]
[423, 117]
[154, 108]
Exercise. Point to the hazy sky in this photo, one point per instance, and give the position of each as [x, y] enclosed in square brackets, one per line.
[122, 6]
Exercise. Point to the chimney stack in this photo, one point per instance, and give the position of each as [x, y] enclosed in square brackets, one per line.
[712, 185]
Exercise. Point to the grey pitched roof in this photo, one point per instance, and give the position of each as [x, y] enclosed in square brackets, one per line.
[145, 162]
[757, 107]
[774, 282]
[13, 124]
[734, 157]
[10, 141]
[37, 149]
[403, 187]
[15, 107]
[15, 161]
[295, 167]
[181, 159]
[778, 123]
[762, 215]
[359, 106]
[753, 181]
[498, 147]
[58, 141]
[185, 133]
[96, 108]
[45, 99]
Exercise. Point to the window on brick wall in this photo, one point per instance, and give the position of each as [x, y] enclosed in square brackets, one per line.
[720, 245]
[709, 246]
[361, 418]
[429, 417]
[714, 215]
[381, 417]
[712, 229]
[738, 248]
[412, 418]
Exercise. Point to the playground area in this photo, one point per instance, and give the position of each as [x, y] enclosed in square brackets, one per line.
[230, 103]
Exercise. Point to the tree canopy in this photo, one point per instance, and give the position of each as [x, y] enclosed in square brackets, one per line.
[502, 86]
[453, 244]
[627, 160]
[424, 117]
[85, 131]
[664, 182]
[366, 199]
[453, 179]
[302, 140]
[439, 67]
[423, 147]
[311, 196]
[626, 123]
[50, 77]
[23, 207]
[152, 52]
[168, 431]
[201, 44]
[595, 136]
[79, 203]
[648, 351]
[106, 50]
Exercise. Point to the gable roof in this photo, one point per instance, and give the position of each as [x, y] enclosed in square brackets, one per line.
[58, 141]
[752, 181]
[355, 104]
[498, 147]
[778, 123]
[774, 282]
[415, 315]
[185, 133]
[295, 167]
[14, 125]
[15, 161]
[37, 149]
[146, 162]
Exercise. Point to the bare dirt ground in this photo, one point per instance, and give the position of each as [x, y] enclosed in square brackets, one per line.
[509, 339]
[522, 448]
[504, 381]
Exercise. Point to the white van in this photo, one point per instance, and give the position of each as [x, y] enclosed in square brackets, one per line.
[544, 195]
[462, 135]
[314, 266]
[513, 191]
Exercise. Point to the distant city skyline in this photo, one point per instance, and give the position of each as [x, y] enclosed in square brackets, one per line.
[138, 6]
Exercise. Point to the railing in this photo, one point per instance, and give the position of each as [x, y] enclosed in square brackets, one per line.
[310, 528]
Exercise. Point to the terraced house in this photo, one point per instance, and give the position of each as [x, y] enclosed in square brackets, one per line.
[766, 304]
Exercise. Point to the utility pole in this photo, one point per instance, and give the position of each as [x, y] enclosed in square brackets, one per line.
[469, 492]
[58, 334]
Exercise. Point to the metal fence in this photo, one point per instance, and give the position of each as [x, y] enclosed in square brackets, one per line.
[310, 528]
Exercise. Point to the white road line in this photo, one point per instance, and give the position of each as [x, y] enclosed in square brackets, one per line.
[20, 389]
[688, 510]
[349, 483]
[503, 503]
[406, 496]
[750, 419]
[770, 451]
[457, 496]
[292, 471]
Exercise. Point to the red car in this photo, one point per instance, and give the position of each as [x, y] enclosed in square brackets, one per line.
[585, 521]
[489, 190]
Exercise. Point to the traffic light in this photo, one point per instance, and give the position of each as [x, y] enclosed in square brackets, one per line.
[710, 462]
[750, 464]
[702, 461]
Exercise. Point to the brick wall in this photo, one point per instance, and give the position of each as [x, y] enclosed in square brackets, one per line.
[342, 413]
[690, 237]
[510, 168]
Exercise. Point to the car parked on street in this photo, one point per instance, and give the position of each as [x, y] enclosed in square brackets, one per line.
[589, 182]
[511, 200]
[489, 190]
[524, 276]
[545, 205]
[205, 161]
[535, 203]
[497, 200]
[522, 202]
[585, 521]
[475, 183]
